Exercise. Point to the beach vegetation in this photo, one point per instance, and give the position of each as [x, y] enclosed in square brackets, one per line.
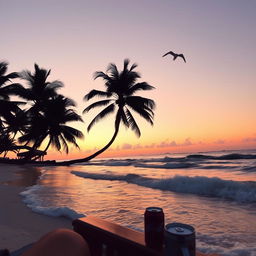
[41, 119]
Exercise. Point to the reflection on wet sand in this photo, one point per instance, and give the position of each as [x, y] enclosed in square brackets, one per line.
[25, 176]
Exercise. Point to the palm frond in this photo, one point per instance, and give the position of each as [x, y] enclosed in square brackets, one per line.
[132, 122]
[94, 93]
[3, 67]
[124, 118]
[64, 144]
[126, 63]
[140, 101]
[71, 116]
[112, 69]
[54, 85]
[55, 141]
[147, 115]
[96, 104]
[134, 65]
[101, 74]
[139, 86]
[108, 110]
[69, 132]
[13, 75]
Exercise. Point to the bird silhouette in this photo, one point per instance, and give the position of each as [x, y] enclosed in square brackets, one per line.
[175, 55]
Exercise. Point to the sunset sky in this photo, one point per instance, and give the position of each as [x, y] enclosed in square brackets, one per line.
[208, 103]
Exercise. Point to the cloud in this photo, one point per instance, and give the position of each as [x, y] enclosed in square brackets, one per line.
[220, 141]
[137, 146]
[249, 139]
[166, 143]
[187, 142]
[150, 146]
[126, 146]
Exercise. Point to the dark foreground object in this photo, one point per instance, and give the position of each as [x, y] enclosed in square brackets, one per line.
[107, 238]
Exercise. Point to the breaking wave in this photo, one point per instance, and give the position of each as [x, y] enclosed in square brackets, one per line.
[33, 203]
[198, 185]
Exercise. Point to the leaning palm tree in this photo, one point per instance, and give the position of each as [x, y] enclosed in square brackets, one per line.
[51, 123]
[121, 87]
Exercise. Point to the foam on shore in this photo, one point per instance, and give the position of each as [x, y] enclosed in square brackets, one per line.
[31, 201]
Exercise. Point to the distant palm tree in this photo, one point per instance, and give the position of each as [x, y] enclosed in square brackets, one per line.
[51, 123]
[120, 89]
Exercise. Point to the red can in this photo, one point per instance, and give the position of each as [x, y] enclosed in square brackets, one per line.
[154, 227]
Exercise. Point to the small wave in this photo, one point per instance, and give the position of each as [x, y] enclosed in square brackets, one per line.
[250, 168]
[30, 200]
[223, 157]
[167, 165]
[199, 185]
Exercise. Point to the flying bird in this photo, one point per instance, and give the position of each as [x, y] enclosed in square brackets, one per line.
[175, 55]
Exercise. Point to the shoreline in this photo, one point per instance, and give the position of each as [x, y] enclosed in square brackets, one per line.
[19, 225]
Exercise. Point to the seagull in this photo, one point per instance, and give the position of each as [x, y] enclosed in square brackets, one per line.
[175, 55]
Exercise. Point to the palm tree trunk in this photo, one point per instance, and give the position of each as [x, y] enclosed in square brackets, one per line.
[88, 158]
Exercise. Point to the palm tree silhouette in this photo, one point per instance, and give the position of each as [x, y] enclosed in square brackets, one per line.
[37, 93]
[51, 123]
[8, 107]
[120, 89]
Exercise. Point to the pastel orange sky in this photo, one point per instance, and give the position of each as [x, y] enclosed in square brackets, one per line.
[205, 104]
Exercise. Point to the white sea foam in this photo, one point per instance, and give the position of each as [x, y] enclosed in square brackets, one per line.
[31, 200]
[199, 185]
[224, 245]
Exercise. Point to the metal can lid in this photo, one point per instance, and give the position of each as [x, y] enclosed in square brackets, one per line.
[179, 229]
[154, 209]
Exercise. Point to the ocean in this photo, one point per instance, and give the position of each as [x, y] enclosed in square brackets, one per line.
[214, 191]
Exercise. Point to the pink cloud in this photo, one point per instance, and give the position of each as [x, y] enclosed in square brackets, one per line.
[126, 146]
[249, 139]
[220, 141]
[187, 142]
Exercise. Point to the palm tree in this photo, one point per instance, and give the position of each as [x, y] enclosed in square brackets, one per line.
[51, 123]
[120, 99]
[37, 93]
[8, 107]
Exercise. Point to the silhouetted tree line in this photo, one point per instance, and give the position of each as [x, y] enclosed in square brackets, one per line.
[36, 112]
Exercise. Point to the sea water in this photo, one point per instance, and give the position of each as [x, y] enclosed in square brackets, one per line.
[215, 192]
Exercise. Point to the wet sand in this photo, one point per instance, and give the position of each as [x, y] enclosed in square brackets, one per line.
[18, 224]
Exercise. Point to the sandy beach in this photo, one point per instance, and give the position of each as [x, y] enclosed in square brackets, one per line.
[18, 224]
